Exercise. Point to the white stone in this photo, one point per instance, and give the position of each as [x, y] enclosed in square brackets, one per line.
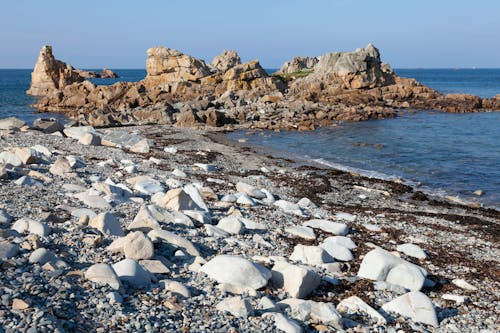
[345, 216]
[381, 265]
[236, 306]
[170, 150]
[206, 167]
[90, 139]
[137, 246]
[174, 240]
[461, 283]
[229, 198]
[78, 132]
[8, 158]
[354, 304]
[246, 200]
[309, 310]
[310, 255]
[41, 256]
[195, 195]
[144, 219]
[155, 266]
[214, 231]
[27, 225]
[335, 228]
[176, 288]
[459, 299]
[414, 305]
[289, 207]
[147, 185]
[130, 271]
[107, 224]
[297, 280]
[93, 200]
[301, 232]
[250, 190]
[8, 250]
[103, 274]
[305, 203]
[372, 227]
[231, 225]
[177, 199]
[236, 270]
[336, 250]
[179, 173]
[285, 324]
[412, 250]
[341, 240]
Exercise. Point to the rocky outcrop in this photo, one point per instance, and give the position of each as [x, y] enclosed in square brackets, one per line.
[104, 74]
[181, 89]
[51, 74]
[226, 60]
[166, 66]
[299, 64]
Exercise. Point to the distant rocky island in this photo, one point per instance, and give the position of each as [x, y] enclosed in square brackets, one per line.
[306, 93]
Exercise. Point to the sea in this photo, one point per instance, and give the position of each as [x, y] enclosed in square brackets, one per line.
[436, 152]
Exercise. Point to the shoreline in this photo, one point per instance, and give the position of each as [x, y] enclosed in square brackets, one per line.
[379, 212]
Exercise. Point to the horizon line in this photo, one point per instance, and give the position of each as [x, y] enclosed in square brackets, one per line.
[136, 68]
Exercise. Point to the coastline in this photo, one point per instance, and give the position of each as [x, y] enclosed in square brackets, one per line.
[385, 215]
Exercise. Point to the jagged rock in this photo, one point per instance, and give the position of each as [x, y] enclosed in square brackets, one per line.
[164, 65]
[107, 224]
[249, 76]
[336, 250]
[51, 74]
[236, 270]
[226, 60]
[309, 310]
[414, 305]
[178, 199]
[48, 125]
[299, 64]
[11, 123]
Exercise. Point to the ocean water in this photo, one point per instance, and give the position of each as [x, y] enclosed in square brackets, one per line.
[440, 153]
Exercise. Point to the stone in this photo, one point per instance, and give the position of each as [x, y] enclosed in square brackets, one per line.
[301, 232]
[50, 74]
[130, 271]
[177, 199]
[19, 304]
[5, 217]
[341, 240]
[285, 324]
[8, 250]
[107, 224]
[206, 167]
[11, 123]
[120, 139]
[114, 298]
[336, 250]
[93, 200]
[415, 305]
[137, 246]
[103, 274]
[41, 256]
[214, 231]
[236, 306]
[328, 226]
[250, 190]
[27, 181]
[90, 139]
[306, 203]
[231, 225]
[4, 174]
[61, 167]
[289, 207]
[345, 216]
[176, 288]
[236, 270]
[299, 64]
[146, 185]
[155, 266]
[412, 250]
[78, 132]
[174, 240]
[381, 265]
[318, 312]
[196, 196]
[311, 255]
[28, 155]
[246, 200]
[354, 304]
[459, 299]
[297, 280]
[27, 225]
[461, 283]
[9, 158]
[141, 147]
[145, 219]
[48, 126]
[226, 60]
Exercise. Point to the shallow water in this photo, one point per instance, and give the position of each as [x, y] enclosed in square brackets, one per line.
[439, 152]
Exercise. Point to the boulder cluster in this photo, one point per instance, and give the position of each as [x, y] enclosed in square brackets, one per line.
[305, 93]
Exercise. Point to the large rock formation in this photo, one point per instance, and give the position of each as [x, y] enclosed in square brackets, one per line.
[165, 66]
[51, 74]
[226, 60]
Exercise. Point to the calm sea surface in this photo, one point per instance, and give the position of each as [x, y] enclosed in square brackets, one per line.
[438, 152]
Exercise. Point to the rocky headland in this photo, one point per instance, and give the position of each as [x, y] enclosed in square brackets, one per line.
[162, 229]
[307, 92]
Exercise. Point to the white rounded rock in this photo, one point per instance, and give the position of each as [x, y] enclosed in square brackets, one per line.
[130, 271]
[414, 305]
[104, 274]
[412, 250]
[137, 246]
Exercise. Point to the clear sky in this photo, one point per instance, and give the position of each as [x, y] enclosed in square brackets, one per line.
[116, 33]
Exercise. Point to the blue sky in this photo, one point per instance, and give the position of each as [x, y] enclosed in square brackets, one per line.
[116, 33]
